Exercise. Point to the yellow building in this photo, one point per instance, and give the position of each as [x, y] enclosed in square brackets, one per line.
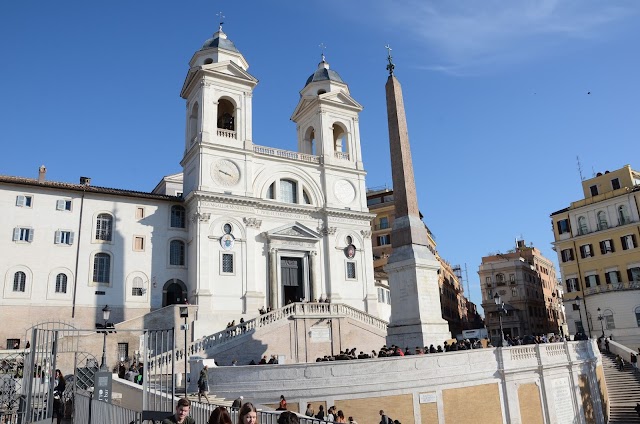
[457, 310]
[596, 239]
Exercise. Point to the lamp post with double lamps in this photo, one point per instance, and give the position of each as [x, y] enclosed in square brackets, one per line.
[579, 303]
[601, 318]
[106, 313]
[500, 309]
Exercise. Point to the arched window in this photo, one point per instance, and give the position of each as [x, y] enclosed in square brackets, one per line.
[19, 282]
[623, 215]
[288, 191]
[193, 122]
[309, 142]
[176, 253]
[271, 191]
[608, 319]
[602, 221]
[582, 225]
[339, 138]
[104, 227]
[305, 197]
[178, 216]
[226, 115]
[61, 283]
[137, 287]
[102, 268]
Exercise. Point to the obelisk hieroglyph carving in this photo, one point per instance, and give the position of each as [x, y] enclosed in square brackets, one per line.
[416, 315]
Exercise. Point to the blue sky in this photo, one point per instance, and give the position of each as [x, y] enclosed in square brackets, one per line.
[496, 95]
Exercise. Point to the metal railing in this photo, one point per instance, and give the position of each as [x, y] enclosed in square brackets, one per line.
[101, 412]
[619, 286]
[200, 412]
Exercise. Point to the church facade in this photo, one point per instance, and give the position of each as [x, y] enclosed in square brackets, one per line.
[242, 227]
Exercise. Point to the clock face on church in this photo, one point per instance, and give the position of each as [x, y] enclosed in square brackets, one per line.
[344, 191]
[225, 172]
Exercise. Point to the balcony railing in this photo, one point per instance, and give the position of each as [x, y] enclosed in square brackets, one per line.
[381, 227]
[303, 157]
[603, 226]
[227, 134]
[620, 286]
[342, 155]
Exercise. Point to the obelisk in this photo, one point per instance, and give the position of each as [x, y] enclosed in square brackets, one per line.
[416, 315]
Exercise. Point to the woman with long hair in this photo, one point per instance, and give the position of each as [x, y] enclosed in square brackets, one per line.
[220, 416]
[248, 414]
[58, 403]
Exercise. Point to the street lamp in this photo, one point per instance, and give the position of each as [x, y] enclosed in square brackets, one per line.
[106, 313]
[579, 302]
[184, 313]
[500, 309]
[600, 318]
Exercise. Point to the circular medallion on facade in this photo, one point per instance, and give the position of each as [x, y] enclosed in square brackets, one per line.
[350, 251]
[344, 191]
[225, 172]
[227, 241]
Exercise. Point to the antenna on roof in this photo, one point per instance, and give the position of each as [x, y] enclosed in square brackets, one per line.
[579, 168]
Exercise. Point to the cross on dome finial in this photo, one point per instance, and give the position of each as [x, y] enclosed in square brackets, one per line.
[322, 49]
[221, 17]
[390, 65]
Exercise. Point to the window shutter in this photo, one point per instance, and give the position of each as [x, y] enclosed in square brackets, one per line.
[30, 235]
[612, 248]
[597, 279]
[623, 240]
[607, 278]
[58, 237]
[559, 228]
[602, 248]
[629, 275]
[16, 234]
[20, 200]
[60, 205]
[633, 239]
[571, 255]
[71, 237]
[619, 277]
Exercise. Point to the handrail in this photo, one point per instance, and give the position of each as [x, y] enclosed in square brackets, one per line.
[277, 315]
[304, 157]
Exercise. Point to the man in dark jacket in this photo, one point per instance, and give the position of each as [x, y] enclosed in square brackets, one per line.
[182, 414]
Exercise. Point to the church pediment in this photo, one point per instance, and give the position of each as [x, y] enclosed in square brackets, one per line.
[227, 70]
[337, 98]
[295, 231]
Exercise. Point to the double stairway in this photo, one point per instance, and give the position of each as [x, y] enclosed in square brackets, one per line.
[208, 345]
[624, 390]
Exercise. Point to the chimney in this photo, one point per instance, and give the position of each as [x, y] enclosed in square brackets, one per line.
[86, 181]
[42, 173]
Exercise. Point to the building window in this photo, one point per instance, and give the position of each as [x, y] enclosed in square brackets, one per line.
[24, 201]
[178, 216]
[572, 285]
[351, 270]
[582, 226]
[500, 279]
[102, 268]
[23, 234]
[567, 255]
[563, 226]
[638, 315]
[13, 344]
[227, 263]
[592, 280]
[384, 240]
[623, 215]
[61, 283]
[288, 191]
[63, 205]
[19, 282]
[594, 190]
[104, 225]
[123, 351]
[64, 237]
[615, 184]
[271, 191]
[606, 246]
[514, 292]
[612, 277]
[138, 243]
[608, 319]
[586, 251]
[602, 221]
[383, 223]
[512, 278]
[629, 242]
[139, 212]
[176, 253]
[633, 274]
[137, 287]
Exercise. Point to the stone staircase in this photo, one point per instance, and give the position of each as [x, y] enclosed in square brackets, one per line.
[624, 390]
[208, 345]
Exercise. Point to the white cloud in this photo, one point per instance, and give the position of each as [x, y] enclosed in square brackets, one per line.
[467, 34]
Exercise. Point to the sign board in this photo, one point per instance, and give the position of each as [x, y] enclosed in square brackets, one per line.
[102, 386]
[563, 401]
[319, 333]
[428, 398]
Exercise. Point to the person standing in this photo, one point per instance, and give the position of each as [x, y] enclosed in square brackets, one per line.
[309, 412]
[237, 404]
[384, 419]
[58, 389]
[606, 345]
[282, 406]
[182, 414]
[203, 384]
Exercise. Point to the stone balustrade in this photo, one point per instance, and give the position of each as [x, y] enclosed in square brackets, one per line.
[287, 154]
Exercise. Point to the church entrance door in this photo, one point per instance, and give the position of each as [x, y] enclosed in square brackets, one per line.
[292, 281]
[174, 293]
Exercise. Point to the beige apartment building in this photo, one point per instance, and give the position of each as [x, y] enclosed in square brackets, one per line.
[457, 310]
[526, 282]
[596, 239]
